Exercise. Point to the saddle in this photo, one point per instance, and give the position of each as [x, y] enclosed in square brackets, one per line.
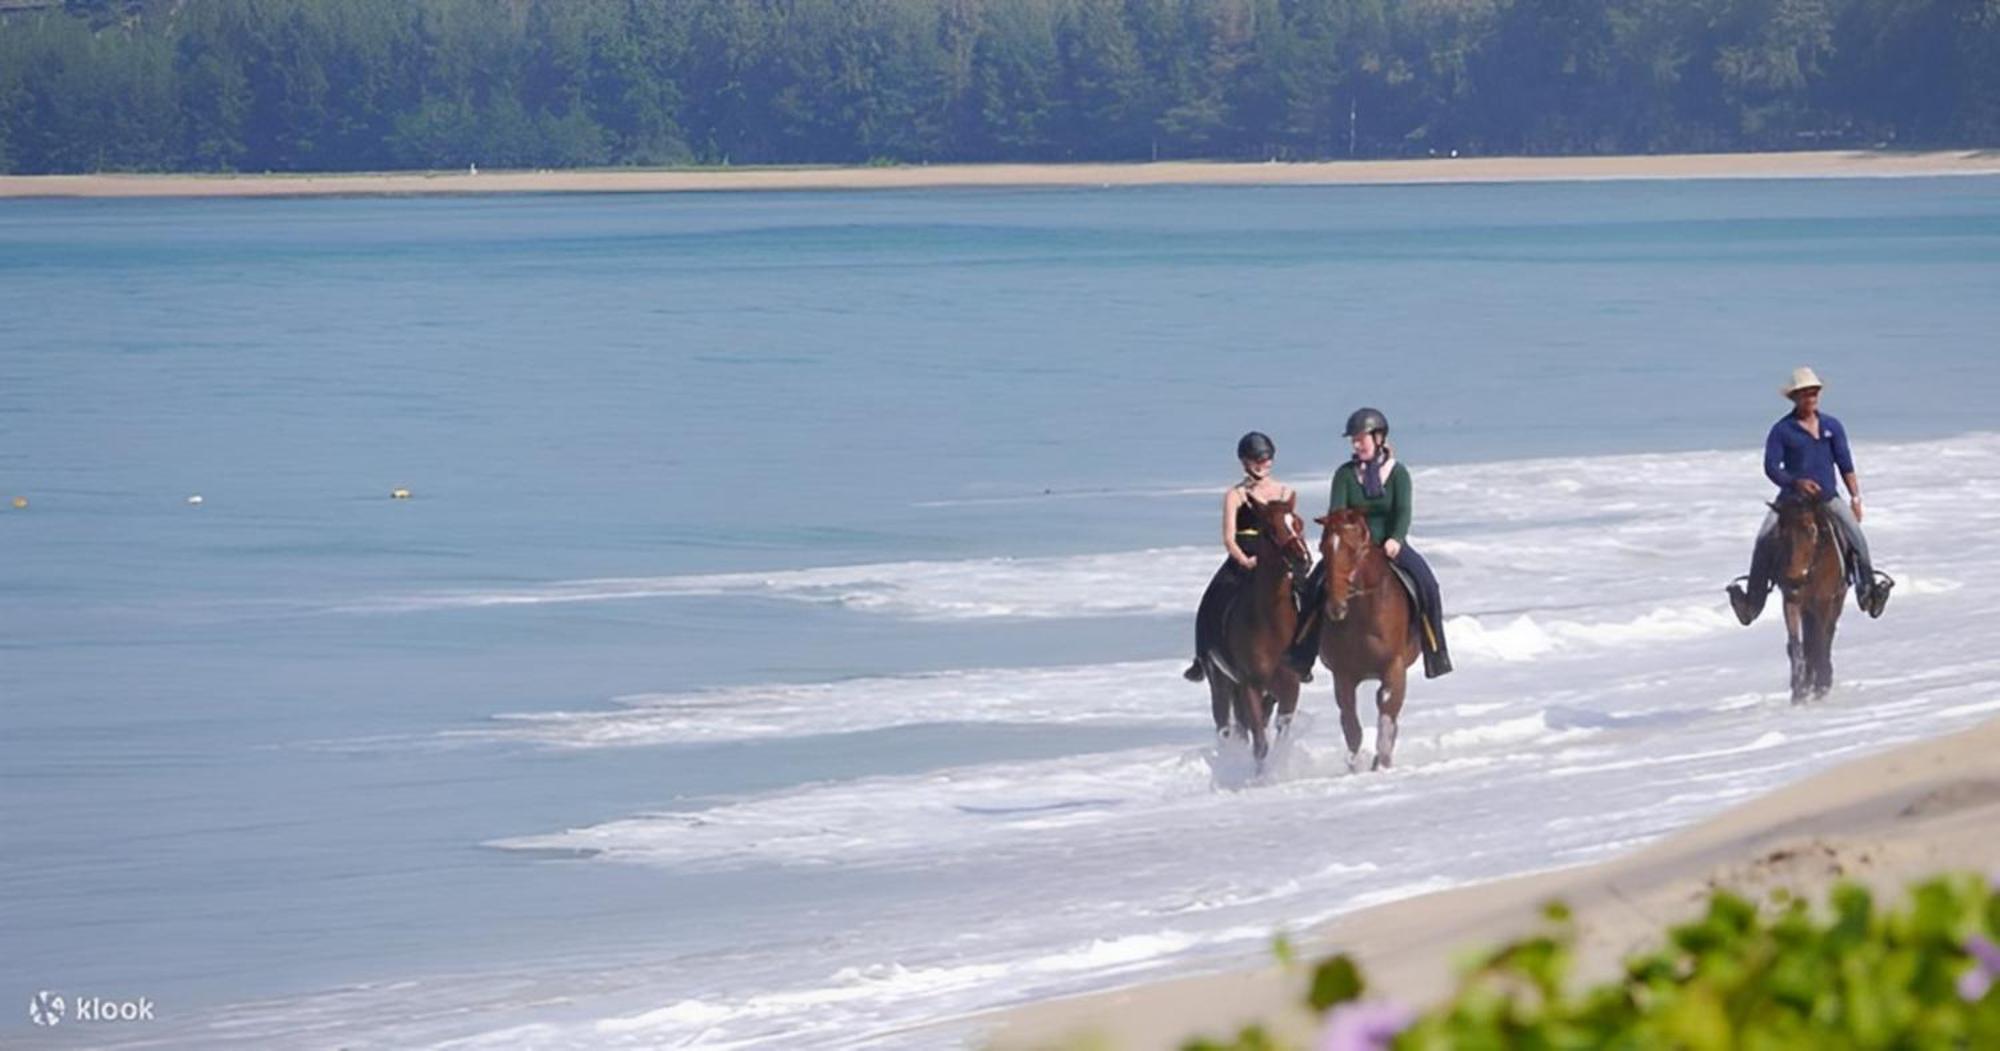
[1409, 588]
[1869, 595]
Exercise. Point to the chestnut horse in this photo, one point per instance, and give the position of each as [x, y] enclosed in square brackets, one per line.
[1247, 670]
[1808, 572]
[1368, 631]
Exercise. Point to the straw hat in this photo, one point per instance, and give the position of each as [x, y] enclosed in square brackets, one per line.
[1802, 377]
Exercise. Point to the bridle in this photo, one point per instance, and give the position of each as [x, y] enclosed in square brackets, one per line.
[1799, 516]
[1291, 546]
[1362, 551]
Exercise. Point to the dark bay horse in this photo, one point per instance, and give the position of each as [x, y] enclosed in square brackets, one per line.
[1808, 572]
[1247, 672]
[1369, 631]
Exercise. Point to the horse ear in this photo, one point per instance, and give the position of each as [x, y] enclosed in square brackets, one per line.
[1324, 520]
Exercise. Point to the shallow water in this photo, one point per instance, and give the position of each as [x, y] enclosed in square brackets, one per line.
[781, 643]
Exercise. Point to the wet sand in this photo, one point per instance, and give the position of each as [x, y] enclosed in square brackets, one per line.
[1885, 820]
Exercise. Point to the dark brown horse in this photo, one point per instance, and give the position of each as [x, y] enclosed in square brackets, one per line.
[1247, 672]
[1809, 574]
[1368, 632]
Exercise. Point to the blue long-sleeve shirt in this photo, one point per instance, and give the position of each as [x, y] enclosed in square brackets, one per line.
[1790, 453]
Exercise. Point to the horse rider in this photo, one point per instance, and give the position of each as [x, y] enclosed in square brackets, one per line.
[1239, 523]
[1374, 482]
[1800, 455]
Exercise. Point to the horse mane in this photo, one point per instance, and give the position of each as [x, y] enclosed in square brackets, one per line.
[1344, 518]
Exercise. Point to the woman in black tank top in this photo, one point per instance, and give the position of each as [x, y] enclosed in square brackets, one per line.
[1239, 523]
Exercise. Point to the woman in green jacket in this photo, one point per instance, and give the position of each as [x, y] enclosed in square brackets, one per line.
[1374, 483]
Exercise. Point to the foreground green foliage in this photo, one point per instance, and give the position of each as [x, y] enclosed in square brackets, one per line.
[1850, 975]
[341, 85]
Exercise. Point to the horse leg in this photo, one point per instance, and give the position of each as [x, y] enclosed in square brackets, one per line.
[1795, 648]
[1286, 692]
[1388, 709]
[1254, 716]
[1221, 692]
[1823, 651]
[1344, 688]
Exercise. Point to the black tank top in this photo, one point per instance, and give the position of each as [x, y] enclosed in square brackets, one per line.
[1247, 519]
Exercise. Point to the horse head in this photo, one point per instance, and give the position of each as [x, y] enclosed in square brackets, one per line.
[1798, 535]
[1278, 527]
[1343, 544]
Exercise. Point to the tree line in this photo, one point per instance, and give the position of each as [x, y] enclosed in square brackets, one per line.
[344, 85]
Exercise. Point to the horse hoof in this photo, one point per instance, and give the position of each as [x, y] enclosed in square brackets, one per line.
[1354, 762]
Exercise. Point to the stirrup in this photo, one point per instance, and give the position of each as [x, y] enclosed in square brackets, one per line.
[1195, 672]
[1878, 595]
[1740, 602]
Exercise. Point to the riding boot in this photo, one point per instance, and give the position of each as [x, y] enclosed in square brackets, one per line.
[1748, 602]
[1878, 594]
[1871, 589]
[1208, 617]
[1304, 649]
[1437, 656]
[1429, 619]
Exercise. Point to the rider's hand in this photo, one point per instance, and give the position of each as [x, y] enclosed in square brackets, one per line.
[1391, 548]
[1856, 504]
[1809, 487]
[1247, 561]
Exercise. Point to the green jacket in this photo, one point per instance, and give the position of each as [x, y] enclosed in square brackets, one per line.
[1388, 514]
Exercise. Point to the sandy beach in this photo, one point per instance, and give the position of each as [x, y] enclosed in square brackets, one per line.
[1885, 820]
[1804, 165]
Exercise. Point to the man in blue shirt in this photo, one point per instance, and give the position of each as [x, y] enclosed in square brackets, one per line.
[1800, 456]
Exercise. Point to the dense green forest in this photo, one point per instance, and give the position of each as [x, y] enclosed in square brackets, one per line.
[329, 85]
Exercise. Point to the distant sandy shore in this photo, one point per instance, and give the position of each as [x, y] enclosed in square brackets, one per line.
[1827, 164]
[1884, 820]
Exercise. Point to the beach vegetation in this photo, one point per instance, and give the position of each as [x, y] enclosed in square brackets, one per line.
[1848, 973]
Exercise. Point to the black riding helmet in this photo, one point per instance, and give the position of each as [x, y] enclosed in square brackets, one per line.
[1367, 421]
[1255, 446]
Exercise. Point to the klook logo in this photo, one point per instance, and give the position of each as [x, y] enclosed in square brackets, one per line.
[46, 1008]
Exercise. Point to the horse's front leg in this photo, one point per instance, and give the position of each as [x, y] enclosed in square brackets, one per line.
[1389, 708]
[1221, 697]
[1795, 649]
[1285, 691]
[1819, 645]
[1344, 689]
[1254, 715]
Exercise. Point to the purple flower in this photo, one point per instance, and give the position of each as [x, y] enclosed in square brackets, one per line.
[1973, 984]
[1364, 1025]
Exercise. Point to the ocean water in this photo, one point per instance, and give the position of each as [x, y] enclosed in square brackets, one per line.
[780, 645]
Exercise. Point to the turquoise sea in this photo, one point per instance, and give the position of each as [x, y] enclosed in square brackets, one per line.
[778, 646]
